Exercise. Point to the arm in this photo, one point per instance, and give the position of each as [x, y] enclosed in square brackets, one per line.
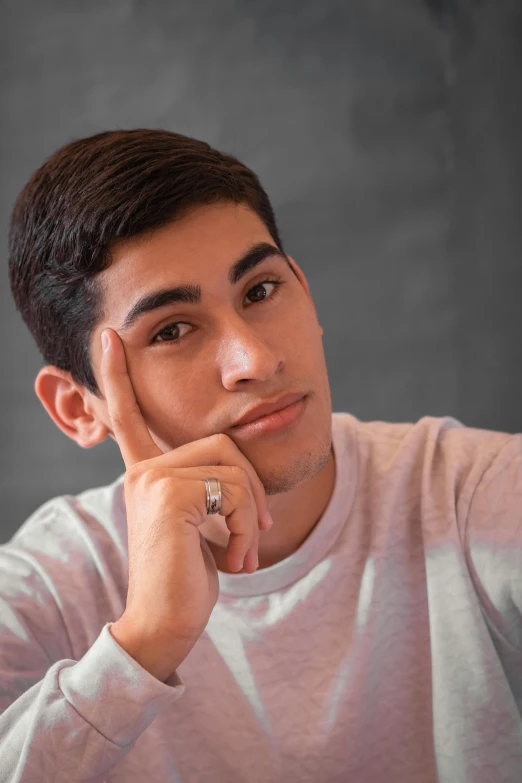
[493, 542]
[59, 715]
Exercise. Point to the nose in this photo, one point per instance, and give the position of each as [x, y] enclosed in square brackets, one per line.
[245, 356]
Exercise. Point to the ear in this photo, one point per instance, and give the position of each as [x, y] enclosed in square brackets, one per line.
[302, 279]
[77, 412]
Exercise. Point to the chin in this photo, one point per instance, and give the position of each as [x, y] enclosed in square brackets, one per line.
[295, 470]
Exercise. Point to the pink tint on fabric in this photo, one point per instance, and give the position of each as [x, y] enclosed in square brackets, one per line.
[387, 648]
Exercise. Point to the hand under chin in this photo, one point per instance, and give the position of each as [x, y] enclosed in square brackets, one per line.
[215, 531]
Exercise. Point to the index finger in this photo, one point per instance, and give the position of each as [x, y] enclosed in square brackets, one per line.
[130, 430]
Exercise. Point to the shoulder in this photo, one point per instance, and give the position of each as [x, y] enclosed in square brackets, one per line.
[426, 449]
[95, 512]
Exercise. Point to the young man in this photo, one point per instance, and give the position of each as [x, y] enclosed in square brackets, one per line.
[380, 638]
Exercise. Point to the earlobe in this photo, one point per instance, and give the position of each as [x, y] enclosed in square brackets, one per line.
[65, 402]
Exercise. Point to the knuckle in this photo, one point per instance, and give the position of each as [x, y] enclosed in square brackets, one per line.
[133, 474]
[220, 439]
[146, 477]
[243, 496]
[238, 473]
[156, 478]
[163, 487]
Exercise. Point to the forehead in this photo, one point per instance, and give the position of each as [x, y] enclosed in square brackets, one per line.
[196, 249]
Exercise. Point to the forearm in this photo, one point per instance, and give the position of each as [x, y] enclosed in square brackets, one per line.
[99, 704]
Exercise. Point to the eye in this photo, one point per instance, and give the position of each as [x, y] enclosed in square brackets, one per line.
[171, 333]
[260, 293]
[174, 332]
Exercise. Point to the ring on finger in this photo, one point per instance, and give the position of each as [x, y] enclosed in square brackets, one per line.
[213, 487]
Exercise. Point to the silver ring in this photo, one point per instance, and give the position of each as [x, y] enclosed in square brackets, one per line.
[213, 487]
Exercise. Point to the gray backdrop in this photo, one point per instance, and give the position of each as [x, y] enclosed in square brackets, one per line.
[387, 135]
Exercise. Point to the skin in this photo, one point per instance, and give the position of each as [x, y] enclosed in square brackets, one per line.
[234, 352]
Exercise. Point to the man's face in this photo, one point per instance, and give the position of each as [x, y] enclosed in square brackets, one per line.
[198, 366]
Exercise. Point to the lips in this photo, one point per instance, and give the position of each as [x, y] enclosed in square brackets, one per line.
[266, 408]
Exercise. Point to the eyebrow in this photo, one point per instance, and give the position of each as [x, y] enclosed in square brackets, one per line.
[191, 294]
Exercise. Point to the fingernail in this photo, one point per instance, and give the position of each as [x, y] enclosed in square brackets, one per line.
[105, 341]
[268, 517]
[257, 562]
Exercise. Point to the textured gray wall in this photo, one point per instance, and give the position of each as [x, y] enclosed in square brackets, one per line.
[388, 137]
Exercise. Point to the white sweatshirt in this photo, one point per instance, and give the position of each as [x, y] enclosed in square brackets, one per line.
[387, 649]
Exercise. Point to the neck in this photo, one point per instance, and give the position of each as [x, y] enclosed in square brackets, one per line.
[295, 515]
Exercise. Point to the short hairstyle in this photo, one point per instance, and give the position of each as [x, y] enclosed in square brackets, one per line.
[91, 193]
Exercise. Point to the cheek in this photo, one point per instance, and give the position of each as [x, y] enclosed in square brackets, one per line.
[173, 381]
[174, 402]
[175, 421]
[302, 335]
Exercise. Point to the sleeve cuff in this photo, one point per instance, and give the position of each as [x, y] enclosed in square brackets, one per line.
[116, 695]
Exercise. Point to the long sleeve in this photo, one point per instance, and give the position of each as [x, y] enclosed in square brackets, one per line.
[61, 719]
[493, 543]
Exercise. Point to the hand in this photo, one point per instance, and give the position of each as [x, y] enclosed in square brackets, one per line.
[173, 580]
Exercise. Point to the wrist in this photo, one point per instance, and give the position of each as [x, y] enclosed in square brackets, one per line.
[147, 650]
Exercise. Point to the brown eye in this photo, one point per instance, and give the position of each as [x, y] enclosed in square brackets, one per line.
[258, 292]
[171, 333]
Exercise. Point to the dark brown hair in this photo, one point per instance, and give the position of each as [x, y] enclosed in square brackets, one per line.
[92, 192]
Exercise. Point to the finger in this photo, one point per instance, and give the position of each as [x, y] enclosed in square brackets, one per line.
[130, 430]
[243, 541]
[256, 485]
[251, 561]
[238, 507]
[221, 450]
